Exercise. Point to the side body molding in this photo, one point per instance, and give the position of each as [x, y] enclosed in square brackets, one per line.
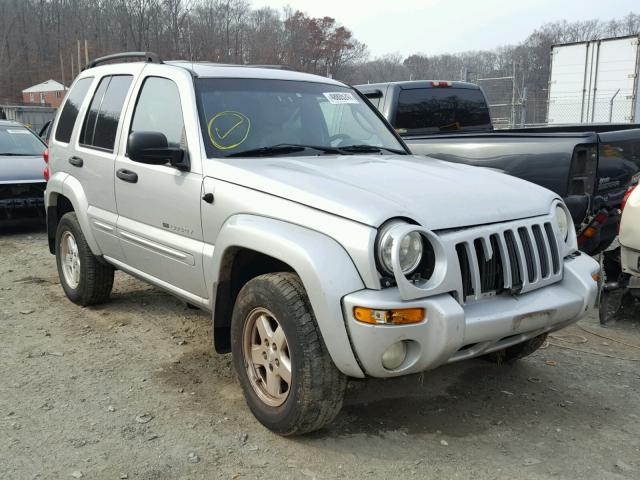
[325, 268]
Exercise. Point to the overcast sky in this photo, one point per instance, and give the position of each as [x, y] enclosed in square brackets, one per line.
[441, 26]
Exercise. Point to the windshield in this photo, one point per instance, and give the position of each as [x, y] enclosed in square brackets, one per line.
[428, 110]
[242, 115]
[17, 140]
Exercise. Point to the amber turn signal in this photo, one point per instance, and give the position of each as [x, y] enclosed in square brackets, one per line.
[400, 316]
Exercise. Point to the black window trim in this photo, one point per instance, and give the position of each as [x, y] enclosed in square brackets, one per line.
[86, 113]
[67, 98]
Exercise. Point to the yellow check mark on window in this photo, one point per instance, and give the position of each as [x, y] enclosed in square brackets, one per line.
[222, 137]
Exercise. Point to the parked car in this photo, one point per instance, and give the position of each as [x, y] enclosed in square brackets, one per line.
[622, 264]
[21, 181]
[589, 166]
[630, 233]
[285, 205]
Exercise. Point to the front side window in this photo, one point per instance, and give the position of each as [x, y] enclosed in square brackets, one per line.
[158, 110]
[429, 110]
[242, 115]
[18, 141]
[71, 108]
[101, 121]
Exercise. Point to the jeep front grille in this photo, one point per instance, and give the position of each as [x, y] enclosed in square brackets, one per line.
[522, 257]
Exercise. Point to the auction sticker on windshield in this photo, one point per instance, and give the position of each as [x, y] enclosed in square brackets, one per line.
[338, 98]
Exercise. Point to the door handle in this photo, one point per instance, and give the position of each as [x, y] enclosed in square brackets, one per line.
[127, 175]
[76, 161]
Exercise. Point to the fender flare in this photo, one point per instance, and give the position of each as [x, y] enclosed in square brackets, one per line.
[70, 187]
[326, 270]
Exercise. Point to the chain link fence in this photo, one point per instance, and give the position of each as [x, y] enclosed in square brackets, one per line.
[513, 107]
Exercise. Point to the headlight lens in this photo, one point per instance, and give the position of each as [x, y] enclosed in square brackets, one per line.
[564, 223]
[411, 250]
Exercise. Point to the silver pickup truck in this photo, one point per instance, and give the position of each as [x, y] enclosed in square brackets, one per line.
[287, 206]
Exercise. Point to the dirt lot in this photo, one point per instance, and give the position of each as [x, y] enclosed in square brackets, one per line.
[132, 389]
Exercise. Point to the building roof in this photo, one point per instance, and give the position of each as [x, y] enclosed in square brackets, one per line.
[48, 86]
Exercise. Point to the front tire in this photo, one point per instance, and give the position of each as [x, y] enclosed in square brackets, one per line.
[287, 376]
[84, 279]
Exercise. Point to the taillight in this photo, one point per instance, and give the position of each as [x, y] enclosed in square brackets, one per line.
[45, 172]
[440, 83]
[625, 199]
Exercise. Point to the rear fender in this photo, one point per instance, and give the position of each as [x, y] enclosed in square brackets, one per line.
[68, 186]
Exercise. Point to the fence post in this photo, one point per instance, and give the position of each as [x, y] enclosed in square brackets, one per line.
[611, 105]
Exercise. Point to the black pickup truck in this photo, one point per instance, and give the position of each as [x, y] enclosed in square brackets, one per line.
[590, 166]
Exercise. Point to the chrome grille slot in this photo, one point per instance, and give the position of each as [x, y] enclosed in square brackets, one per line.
[515, 258]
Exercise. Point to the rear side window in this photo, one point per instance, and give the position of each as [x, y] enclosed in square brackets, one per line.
[70, 110]
[101, 122]
[427, 110]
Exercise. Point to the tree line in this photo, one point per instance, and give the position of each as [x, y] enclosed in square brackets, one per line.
[36, 36]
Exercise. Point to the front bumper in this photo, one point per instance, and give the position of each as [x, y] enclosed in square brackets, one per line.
[21, 203]
[452, 332]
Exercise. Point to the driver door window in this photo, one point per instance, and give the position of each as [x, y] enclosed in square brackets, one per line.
[158, 110]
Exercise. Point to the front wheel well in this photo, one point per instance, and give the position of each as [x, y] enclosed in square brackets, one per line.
[59, 205]
[238, 266]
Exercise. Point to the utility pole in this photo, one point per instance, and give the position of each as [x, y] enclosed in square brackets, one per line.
[62, 70]
[513, 96]
[86, 52]
[72, 73]
[79, 60]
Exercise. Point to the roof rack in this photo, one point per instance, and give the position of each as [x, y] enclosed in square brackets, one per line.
[148, 57]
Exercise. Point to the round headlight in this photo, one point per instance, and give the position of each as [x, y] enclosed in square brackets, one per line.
[564, 222]
[411, 250]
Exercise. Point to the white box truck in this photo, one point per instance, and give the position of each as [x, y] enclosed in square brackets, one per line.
[595, 82]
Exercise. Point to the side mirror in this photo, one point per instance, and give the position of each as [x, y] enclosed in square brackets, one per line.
[153, 148]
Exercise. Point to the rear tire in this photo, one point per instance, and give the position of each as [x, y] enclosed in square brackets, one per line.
[288, 378]
[84, 278]
[518, 351]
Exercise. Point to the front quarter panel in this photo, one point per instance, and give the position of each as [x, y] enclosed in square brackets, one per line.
[325, 268]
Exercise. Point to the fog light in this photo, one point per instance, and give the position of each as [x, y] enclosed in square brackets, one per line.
[393, 356]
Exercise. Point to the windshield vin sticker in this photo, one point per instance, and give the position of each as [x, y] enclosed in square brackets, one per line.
[338, 98]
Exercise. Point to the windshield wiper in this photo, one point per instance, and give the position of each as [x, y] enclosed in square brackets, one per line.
[9, 154]
[282, 149]
[369, 148]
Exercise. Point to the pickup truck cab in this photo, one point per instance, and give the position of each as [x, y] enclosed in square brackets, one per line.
[589, 166]
[285, 205]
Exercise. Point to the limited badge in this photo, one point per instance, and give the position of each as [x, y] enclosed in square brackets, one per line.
[228, 130]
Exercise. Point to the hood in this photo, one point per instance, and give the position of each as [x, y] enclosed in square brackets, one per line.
[21, 169]
[370, 189]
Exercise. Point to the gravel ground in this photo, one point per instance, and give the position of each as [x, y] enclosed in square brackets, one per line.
[132, 389]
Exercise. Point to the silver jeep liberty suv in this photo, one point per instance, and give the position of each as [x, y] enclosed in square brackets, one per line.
[285, 205]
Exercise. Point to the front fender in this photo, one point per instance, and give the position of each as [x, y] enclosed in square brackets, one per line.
[326, 270]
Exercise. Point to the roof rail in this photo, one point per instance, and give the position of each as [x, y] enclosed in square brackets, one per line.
[148, 57]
